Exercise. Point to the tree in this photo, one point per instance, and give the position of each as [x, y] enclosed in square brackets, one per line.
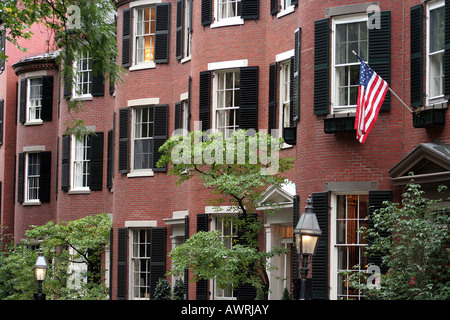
[237, 169]
[413, 239]
[74, 242]
[73, 26]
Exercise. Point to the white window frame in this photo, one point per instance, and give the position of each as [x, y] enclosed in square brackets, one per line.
[146, 64]
[223, 22]
[432, 5]
[216, 110]
[286, 7]
[284, 94]
[132, 258]
[334, 254]
[29, 201]
[334, 90]
[76, 94]
[73, 168]
[184, 100]
[187, 36]
[39, 120]
[137, 172]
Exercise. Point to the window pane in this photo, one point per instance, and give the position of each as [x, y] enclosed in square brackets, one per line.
[437, 29]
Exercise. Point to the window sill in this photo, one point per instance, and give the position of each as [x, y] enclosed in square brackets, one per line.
[286, 11]
[31, 203]
[184, 60]
[142, 66]
[34, 123]
[79, 191]
[140, 173]
[87, 97]
[235, 21]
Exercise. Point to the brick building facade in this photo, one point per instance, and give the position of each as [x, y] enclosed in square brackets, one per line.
[201, 60]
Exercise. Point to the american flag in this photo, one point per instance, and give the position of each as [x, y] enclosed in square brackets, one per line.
[372, 91]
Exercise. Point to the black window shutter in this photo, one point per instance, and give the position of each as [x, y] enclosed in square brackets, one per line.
[273, 72]
[202, 285]
[162, 32]
[294, 2]
[205, 100]
[65, 163]
[21, 178]
[250, 9]
[124, 132]
[206, 12]
[110, 155]
[126, 38]
[296, 217]
[320, 262]
[157, 257]
[322, 66]
[68, 80]
[376, 199]
[416, 62]
[248, 110]
[178, 115]
[98, 80]
[292, 93]
[96, 160]
[160, 129]
[297, 67]
[2, 106]
[180, 30]
[186, 272]
[380, 52]
[447, 51]
[45, 176]
[23, 100]
[273, 7]
[189, 103]
[122, 239]
[2, 49]
[47, 98]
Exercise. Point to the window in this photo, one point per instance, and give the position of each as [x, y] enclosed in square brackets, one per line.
[34, 99]
[349, 245]
[140, 263]
[285, 4]
[33, 172]
[83, 75]
[435, 48]
[285, 94]
[348, 36]
[143, 122]
[145, 35]
[187, 28]
[81, 163]
[227, 101]
[229, 8]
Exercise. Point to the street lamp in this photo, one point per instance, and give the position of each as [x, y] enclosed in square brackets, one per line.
[40, 271]
[307, 233]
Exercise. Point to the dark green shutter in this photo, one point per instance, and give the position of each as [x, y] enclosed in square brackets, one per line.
[248, 110]
[273, 7]
[178, 116]
[47, 98]
[320, 261]
[297, 60]
[162, 32]
[272, 116]
[126, 38]
[447, 51]
[322, 67]
[110, 156]
[416, 60]
[206, 12]
[122, 246]
[296, 217]
[23, 101]
[98, 80]
[124, 132]
[2, 49]
[202, 285]
[68, 79]
[250, 9]
[205, 100]
[294, 2]
[292, 93]
[186, 271]
[96, 161]
[189, 102]
[180, 30]
[380, 52]
[45, 176]
[376, 199]
[2, 106]
[65, 163]
[160, 129]
[21, 178]
[157, 257]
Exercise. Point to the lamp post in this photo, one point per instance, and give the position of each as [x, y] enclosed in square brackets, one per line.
[40, 271]
[307, 233]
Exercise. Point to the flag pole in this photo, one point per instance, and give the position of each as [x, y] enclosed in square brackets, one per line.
[406, 106]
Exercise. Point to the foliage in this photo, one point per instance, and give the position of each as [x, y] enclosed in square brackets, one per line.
[178, 290]
[162, 290]
[237, 169]
[414, 240]
[286, 294]
[74, 242]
